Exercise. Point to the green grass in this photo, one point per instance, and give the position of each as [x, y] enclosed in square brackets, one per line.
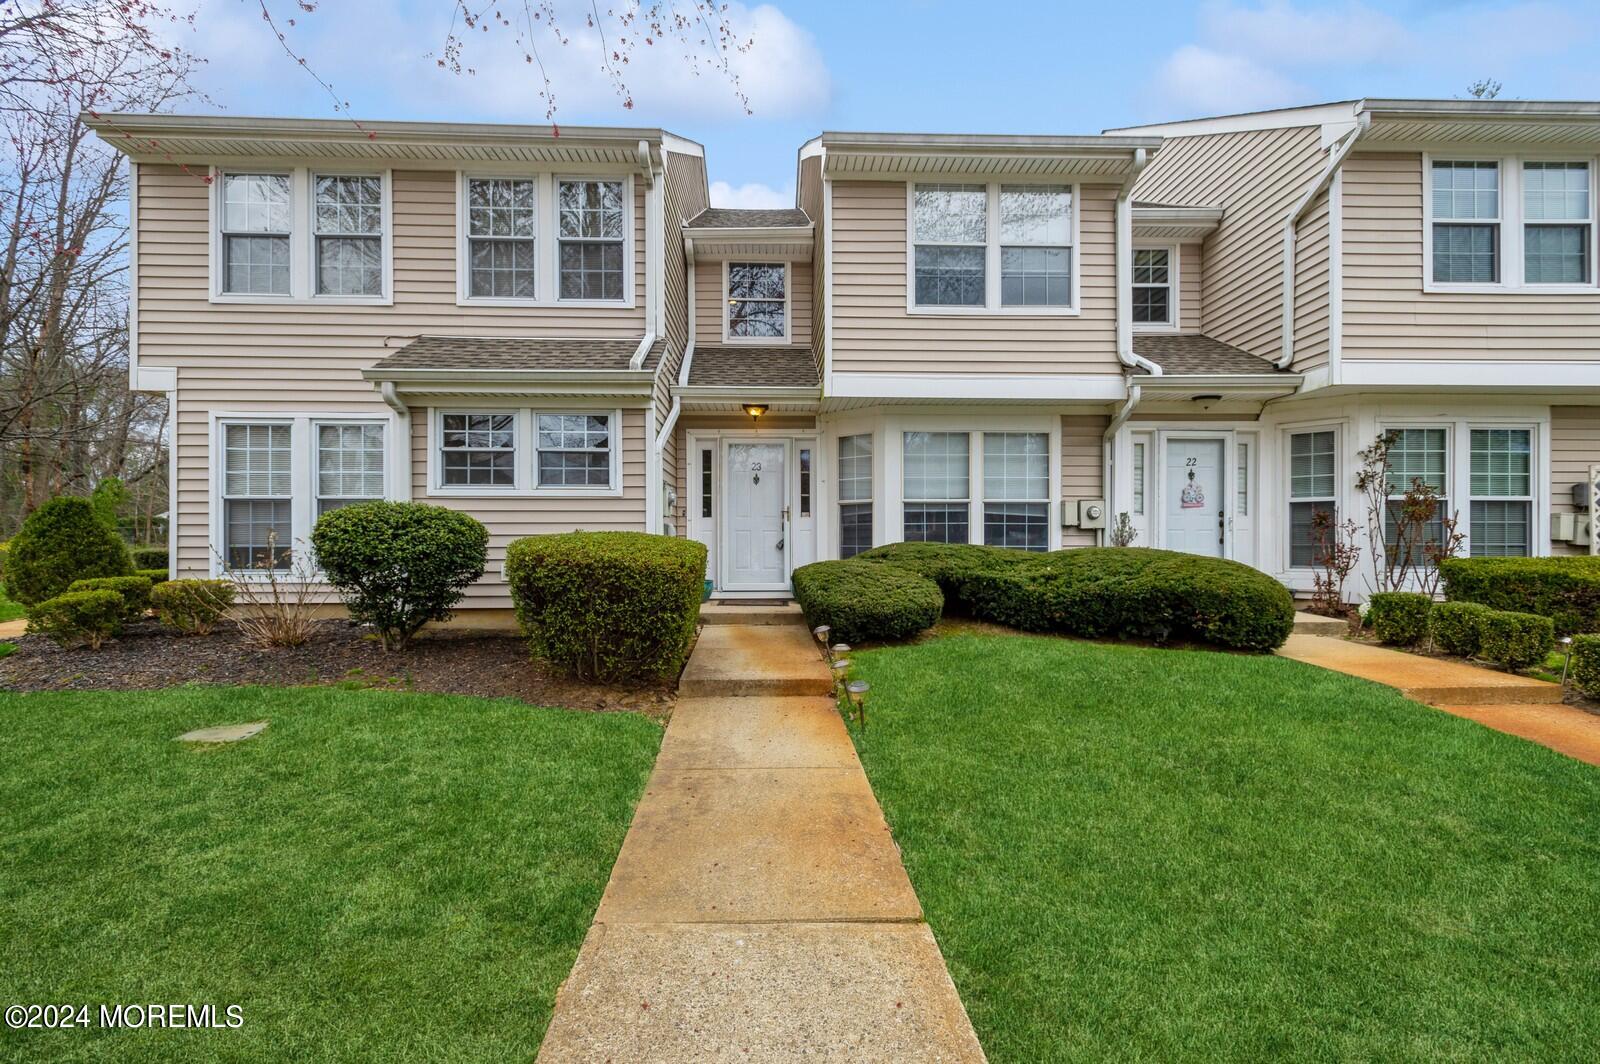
[10, 611]
[377, 876]
[1179, 855]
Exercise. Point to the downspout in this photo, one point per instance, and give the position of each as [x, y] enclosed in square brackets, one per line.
[1109, 444]
[1124, 226]
[402, 431]
[688, 350]
[1291, 224]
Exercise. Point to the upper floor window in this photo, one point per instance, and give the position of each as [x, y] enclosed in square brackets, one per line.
[501, 222]
[349, 228]
[991, 246]
[1152, 286]
[257, 220]
[591, 230]
[1510, 223]
[758, 301]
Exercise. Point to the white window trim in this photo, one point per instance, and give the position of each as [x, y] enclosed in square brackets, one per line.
[1534, 486]
[526, 453]
[546, 238]
[1339, 498]
[1174, 310]
[991, 266]
[302, 245]
[982, 488]
[1511, 222]
[727, 304]
[302, 473]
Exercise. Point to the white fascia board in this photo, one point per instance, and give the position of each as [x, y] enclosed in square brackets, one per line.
[751, 234]
[1468, 374]
[1104, 387]
[682, 145]
[1281, 118]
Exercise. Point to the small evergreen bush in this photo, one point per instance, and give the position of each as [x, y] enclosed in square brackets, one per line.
[150, 558]
[1399, 618]
[192, 607]
[1585, 671]
[1455, 626]
[74, 617]
[135, 592]
[60, 542]
[950, 565]
[1515, 640]
[1567, 590]
[155, 576]
[865, 602]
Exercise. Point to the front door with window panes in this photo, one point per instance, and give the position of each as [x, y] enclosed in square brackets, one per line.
[755, 546]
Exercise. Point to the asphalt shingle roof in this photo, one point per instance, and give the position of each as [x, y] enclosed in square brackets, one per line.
[736, 366]
[731, 218]
[1194, 353]
[519, 353]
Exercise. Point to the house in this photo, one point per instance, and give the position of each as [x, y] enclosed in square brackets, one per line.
[1000, 339]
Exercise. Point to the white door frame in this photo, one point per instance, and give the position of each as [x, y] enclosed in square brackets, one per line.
[1159, 517]
[723, 536]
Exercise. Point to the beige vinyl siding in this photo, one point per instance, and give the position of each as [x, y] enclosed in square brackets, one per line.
[710, 303]
[873, 332]
[1386, 312]
[512, 517]
[1191, 319]
[811, 202]
[1312, 323]
[1256, 176]
[1574, 447]
[683, 197]
[1082, 469]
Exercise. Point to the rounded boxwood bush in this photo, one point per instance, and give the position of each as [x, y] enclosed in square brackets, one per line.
[1567, 590]
[87, 617]
[1515, 640]
[1454, 626]
[1399, 618]
[193, 607]
[155, 576]
[149, 558]
[62, 541]
[865, 602]
[608, 606]
[1585, 669]
[399, 565]
[135, 592]
[950, 565]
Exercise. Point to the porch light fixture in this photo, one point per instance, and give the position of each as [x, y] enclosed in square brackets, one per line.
[755, 410]
[1205, 401]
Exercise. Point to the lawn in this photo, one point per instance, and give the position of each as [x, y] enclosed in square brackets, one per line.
[377, 876]
[10, 611]
[1137, 853]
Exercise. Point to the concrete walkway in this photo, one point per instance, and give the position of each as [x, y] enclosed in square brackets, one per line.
[13, 629]
[758, 909]
[1517, 705]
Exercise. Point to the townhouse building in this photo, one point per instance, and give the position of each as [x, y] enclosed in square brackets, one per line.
[989, 339]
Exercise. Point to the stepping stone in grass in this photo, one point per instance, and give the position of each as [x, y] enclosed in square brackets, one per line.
[226, 733]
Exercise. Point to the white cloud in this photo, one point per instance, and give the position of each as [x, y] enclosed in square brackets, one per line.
[1281, 33]
[751, 196]
[1200, 81]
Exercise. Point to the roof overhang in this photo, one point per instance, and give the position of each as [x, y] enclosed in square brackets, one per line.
[794, 242]
[167, 138]
[1423, 122]
[464, 383]
[1220, 387]
[891, 155]
[1175, 223]
[731, 399]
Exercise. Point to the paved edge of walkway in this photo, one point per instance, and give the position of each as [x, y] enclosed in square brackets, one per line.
[758, 909]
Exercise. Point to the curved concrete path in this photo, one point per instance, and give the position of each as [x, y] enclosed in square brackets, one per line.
[758, 909]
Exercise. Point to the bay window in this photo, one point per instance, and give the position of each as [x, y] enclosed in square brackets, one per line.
[991, 247]
[1016, 490]
[1501, 505]
[1313, 489]
[936, 469]
[855, 494]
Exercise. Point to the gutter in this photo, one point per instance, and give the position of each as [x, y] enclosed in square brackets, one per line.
[402, 441]
[688, 347]
[1335, 161]
[1109, 446]
[1124, 252]
[637, 361]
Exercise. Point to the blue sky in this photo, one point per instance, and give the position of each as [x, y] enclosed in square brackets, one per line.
[930, 65]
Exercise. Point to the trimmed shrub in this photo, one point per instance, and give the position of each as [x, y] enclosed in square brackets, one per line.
[155, 576]
[610, 606]
[60, 542]
[865, 602]
[86, 617]
[1567, 590]
[950, 565]
[1515, 640]
[399, 565]
[193, 607]
[1585, 671]
[135, 592]
[150, 558]
[1454, 626]
[1399, 618]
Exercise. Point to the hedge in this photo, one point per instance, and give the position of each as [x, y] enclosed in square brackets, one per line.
[1567, 590]
[865, 602]
[1454, 626]
[193, 607]
[135, 592]
[950, 565]
[1399, 618]
[155, 576]
[1515, 640]
[88, 617]
[150, 558]
[610, 606]
[1585, 670]
[60, 542]
[399, 565]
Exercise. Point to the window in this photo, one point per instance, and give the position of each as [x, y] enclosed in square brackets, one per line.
[591, 226]
[1152, 286]
[1419, 454]
[1313, 487]
[348, 226]
[991, 246]
[501, 222]
[705, 482]
[1242, 492]
[257, 219]
[936, 487]
[478, 450]
[758, 301]
[1016, 490]
[1555, 214]
[1502, 493]
[349, 464]
[258, 496]
[805, 482]
[1138, 478]
[1466, 228]
[855, 495]
[1035, 246]
[574, 451]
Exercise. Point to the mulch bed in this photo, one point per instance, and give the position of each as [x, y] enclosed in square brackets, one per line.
[147, 656]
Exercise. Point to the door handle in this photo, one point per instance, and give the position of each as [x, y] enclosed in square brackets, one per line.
[780, 544]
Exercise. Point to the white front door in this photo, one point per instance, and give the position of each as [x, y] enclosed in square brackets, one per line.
[1196, 502]
[755, 553]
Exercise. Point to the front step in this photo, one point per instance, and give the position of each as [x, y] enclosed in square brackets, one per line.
[762, 613]
[741, 660]
[1316, 624]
